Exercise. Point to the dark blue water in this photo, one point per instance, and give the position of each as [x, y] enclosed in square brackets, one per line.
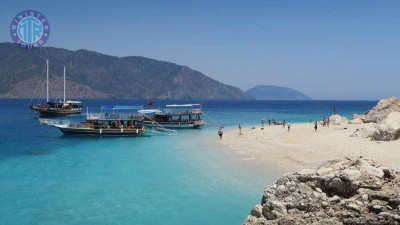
[49, 178]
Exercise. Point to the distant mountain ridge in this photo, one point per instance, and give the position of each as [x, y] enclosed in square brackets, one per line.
[95, 75]
[270, 92]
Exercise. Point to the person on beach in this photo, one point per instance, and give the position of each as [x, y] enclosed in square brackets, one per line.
[269, 122]
[220, 133]
[316, 126]
[334, 110]
[273, 121]
[240, 129]
[288, 126]
[284, 124]
[328, 121]
[262, 123]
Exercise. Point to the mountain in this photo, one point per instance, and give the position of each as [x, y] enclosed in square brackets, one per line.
[95, 75]
[270, 92]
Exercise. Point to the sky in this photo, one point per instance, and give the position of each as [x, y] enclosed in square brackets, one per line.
[332, 50]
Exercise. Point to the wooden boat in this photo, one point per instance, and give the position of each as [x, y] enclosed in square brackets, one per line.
[60, 108]
[174, 117]
[102, 124]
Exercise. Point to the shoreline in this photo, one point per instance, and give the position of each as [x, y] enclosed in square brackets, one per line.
[303, 148]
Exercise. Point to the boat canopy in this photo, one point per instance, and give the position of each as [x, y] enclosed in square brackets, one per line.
[74, 102]
[148, 111]
[184, 105]
[134, 107]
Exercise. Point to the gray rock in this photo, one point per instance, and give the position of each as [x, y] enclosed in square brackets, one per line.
[363, 192]
[338, 185]
[304, 189]
[356, 121]
[376, 208]
[280, 190]
[388, 129]
[353, 207]
[381, 110]
[334, 199]
[352, 174]
[324, 204]
[274, 209]
[386, 116]
[337, 119]
[257, 211]
[364, 197]
[364, 132]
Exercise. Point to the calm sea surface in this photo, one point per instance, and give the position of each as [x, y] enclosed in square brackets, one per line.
[50, 178]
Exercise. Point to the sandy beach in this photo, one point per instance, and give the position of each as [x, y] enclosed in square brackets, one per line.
[302, 147]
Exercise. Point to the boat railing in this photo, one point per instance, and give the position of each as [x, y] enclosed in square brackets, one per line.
[182, 111]
[53, 122]
[112, 116]
[64, 123]
[73, 124]
[159, 129]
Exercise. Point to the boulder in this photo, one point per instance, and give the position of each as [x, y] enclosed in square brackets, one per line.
[257, 211]
[388, 129]
[274, 209]
[337, 120]
[381, 110]
[337, 192]
[356, 121]
[356, 116]
[364, 132]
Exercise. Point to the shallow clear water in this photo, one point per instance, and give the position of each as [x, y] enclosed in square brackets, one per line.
[50, 178]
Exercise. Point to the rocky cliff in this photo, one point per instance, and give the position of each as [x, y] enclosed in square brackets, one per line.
[95, 75]
[385, 120]
[336, 192]
[381, 110]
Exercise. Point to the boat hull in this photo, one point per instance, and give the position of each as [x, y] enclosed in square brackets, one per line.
[103, 132]
[50, 112]
[173, 125]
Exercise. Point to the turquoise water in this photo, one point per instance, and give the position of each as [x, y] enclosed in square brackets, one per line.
[50, 178]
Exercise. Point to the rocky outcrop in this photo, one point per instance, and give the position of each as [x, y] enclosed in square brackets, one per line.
[337, 119]
[356, 121]
[337, 192]
[385, 120]
[364, 132]
[381, 110]
[388, 129]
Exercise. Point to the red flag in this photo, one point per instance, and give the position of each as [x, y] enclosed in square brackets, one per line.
[150, 102]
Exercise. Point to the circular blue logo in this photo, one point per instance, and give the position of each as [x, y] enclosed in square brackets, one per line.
[30, 29]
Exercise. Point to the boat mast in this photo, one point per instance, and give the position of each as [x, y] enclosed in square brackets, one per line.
[47, 83]
[64, 83]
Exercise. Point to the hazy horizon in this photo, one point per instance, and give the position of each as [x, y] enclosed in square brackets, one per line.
[326, 50]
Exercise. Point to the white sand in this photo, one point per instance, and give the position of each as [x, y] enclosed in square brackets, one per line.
[302, 147]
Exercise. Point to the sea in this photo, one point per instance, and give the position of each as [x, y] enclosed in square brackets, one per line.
[188, 178]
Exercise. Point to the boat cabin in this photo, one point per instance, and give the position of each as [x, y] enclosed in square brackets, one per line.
[187, 113]
[113, 121]
[69, 105]
[176, 116]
